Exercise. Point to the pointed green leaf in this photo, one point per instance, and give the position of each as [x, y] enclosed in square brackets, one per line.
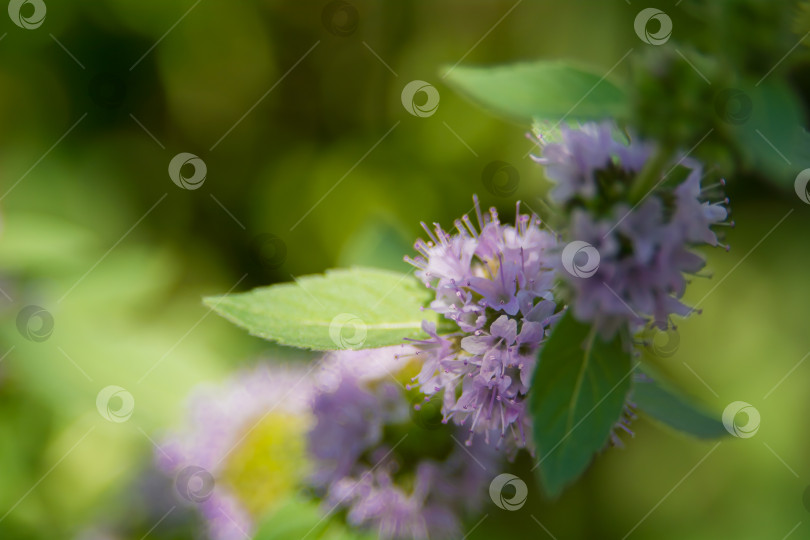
[540, 90]
[667, 405]
[577, 395]
[358, 308]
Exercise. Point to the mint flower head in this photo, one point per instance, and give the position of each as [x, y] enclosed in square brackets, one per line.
[493, 287]
[575, 161]
[629, 251]
[370, 460]
[242, 449]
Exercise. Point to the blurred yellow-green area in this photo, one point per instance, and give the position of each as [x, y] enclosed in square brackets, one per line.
[313, 162]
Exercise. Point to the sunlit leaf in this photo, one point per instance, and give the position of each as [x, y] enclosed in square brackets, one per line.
[357, 308]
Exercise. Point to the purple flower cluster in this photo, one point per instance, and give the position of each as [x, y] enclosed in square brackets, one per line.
[493, 287]
[352, 405]
[359, 468]
[627, 261]
[348, 432]
[221, 420]
[268, 433]
[573, 162]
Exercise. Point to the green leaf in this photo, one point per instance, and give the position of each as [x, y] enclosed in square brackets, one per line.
[577, 395]
[358, 308]
[773, 137]
[665, 404]
[540, 90]
[297, 518]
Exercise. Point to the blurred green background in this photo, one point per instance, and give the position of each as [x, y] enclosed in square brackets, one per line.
[320, 166]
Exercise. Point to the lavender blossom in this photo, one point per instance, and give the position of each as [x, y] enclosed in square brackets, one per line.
[493, 287]
[242, 449]
[350, 416]
[361, 468]
[573, 162]
[644, 250]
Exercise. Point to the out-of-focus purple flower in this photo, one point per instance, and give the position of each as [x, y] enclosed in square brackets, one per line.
[362, 365]
[360, 468]
[493, 287]
[695, 216]
[644, 248]
[267, 433]
[573, 162]
[641, 268]
[354, 400]
[248, 431]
